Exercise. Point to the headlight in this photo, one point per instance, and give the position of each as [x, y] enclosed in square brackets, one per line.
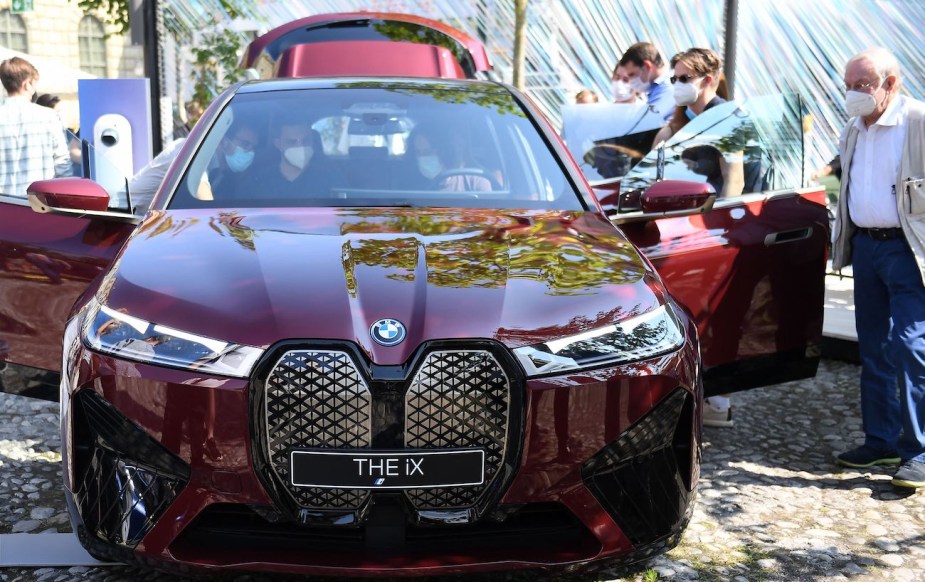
[644, 336]
[112, 332]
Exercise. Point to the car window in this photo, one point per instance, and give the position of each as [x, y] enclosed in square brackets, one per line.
[737, 147]
[760, 139]
[395, 145]
[608, 139]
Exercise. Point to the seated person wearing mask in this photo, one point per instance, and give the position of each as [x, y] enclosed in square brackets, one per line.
[233, 157]
[446, 164]
[295, 166]
[233, 160]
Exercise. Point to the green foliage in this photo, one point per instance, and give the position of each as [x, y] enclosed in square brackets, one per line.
[115, 11]
[215, 65]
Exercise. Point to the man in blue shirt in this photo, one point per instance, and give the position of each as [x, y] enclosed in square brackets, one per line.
[648, 75]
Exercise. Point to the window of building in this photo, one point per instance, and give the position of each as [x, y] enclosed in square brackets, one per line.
[13, 32]
[92, 42]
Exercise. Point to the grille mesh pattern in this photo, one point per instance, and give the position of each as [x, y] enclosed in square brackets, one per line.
[457, 399]
[316, 399]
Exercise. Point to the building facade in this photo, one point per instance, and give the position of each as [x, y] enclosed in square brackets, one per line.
[66, 44]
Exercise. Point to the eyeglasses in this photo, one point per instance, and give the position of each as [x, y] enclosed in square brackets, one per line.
[245, 144]
[682, 78]
[862, 87]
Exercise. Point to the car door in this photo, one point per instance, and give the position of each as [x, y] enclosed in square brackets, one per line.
[751, 267]
[46, 261]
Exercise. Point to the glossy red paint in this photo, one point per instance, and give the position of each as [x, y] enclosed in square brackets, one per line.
[673, 195]
[573, 417]
[368, 58]
[374, 263]
[258, 45]
[736, 281]
[69, 194]
[568, 419]
[46, 262]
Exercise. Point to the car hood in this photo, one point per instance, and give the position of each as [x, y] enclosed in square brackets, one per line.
[256, 277]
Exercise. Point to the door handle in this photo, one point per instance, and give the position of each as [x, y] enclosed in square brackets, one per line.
[786, 236]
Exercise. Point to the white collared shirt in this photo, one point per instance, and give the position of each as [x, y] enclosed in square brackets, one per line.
[875, 166]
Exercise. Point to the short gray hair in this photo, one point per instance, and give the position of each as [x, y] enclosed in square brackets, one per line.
[883, 60]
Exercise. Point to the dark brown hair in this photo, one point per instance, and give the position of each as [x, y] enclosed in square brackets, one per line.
[639, 53]
[48, 100]
[701, 62]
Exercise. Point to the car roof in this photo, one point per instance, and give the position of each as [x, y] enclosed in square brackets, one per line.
[288, 84]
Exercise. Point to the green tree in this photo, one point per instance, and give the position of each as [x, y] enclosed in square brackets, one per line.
[116, 11]
[215, 65]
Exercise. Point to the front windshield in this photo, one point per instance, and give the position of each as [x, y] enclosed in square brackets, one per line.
[376, 144]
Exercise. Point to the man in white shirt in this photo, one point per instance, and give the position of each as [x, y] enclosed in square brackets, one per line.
[880, 229]
[32, 145]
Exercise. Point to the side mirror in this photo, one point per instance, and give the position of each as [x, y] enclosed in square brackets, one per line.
[675, 196]
[74, 196]
[68, 196]
[670, 198]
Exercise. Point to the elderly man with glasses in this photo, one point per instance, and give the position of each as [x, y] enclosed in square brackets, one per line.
[880, 229]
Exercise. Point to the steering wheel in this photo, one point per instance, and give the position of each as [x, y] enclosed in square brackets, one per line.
[479, 172]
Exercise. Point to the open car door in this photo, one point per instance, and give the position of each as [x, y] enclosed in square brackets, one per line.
[53, 246]
[722, 212]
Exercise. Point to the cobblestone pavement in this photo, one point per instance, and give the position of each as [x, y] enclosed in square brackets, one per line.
[772, 504]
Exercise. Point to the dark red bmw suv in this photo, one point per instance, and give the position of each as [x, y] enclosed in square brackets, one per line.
[382, 326]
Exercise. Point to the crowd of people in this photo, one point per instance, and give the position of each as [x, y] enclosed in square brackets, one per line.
[879, 230]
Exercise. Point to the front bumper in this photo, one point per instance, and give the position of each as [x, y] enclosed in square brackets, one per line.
[602, 465]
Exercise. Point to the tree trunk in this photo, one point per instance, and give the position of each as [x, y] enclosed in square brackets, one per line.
[520, 40]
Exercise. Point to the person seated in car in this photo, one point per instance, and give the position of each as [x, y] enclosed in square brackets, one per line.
[294, 168]
[234, 159]
[446, 164]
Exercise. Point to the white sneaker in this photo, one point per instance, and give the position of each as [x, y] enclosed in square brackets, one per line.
[715, 416]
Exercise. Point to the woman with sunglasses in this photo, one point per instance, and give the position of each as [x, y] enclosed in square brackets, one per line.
[698, 84]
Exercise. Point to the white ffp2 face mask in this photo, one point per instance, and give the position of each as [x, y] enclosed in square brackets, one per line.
[685, 93]
[429, 166]
[299, 156]
[859, 104]
[621, 91]
[638, 84]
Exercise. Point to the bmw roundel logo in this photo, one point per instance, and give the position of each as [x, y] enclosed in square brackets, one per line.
[388, 332]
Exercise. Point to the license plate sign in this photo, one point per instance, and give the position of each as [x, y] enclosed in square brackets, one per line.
[387, 470]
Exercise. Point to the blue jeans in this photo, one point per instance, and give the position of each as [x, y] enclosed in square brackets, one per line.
[889, 301]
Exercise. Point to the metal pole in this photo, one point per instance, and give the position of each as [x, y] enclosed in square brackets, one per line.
[729, 58]
[152, 69]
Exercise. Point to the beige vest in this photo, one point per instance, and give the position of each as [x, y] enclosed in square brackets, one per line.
[910, 188]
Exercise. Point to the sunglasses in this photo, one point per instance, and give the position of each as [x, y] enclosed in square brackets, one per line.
[682, 78]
